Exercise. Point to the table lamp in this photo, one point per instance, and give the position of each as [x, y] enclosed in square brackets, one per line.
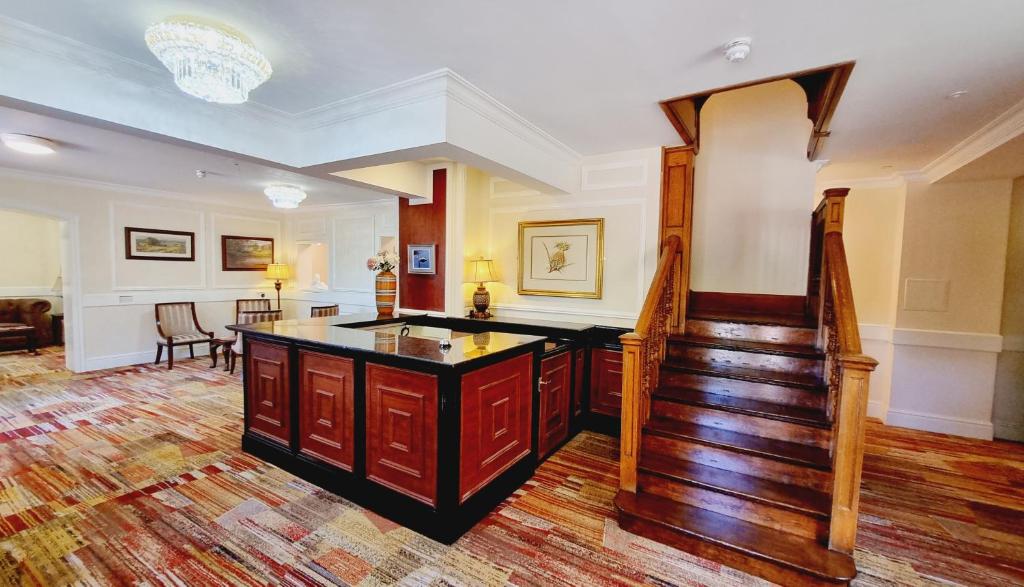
[278, 272]
[481, 271]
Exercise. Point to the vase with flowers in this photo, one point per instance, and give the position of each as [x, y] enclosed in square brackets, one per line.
[387, 284]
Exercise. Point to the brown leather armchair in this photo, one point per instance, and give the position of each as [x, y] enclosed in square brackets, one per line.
[33, 312]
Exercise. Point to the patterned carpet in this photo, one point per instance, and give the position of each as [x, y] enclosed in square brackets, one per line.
[135, 476]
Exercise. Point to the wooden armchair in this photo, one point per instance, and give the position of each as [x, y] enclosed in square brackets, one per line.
[251, 318]
[322, 311]
[177, 325]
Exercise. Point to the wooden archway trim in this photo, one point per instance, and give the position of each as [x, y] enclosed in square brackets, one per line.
[823, 86]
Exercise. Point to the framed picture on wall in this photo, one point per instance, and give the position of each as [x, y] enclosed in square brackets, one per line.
[151, 244]
[561, 258]
[246, 253]
[421, 259]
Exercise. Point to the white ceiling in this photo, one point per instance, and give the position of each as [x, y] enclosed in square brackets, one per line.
[109, 156]
[591, 72]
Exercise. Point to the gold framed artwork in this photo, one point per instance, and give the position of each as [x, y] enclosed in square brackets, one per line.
[561, 258]
[246, 253]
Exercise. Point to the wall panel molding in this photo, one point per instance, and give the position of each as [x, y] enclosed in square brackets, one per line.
[964, 341]
[620, 174]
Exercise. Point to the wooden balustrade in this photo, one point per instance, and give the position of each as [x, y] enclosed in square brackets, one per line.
[642, 353]
[848, 371]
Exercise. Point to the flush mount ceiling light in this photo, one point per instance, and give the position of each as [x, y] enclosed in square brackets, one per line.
[737, 49]
[956, 94]
[28, 144]
[208, 62]
[285, 196]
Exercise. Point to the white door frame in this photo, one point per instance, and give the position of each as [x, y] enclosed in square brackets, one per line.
[71, 271]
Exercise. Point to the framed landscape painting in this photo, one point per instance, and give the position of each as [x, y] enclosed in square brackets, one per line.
[152, 244]
[561, 258]
[246, 253]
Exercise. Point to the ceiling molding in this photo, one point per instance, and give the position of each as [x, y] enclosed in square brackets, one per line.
[880, 182]
[8, 172]
[1001, 129]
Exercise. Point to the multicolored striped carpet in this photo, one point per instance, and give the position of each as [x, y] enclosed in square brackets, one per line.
[135, 476]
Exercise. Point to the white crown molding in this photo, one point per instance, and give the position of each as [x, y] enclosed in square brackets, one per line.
[1000, 130]
[122, 188]
[880, 182]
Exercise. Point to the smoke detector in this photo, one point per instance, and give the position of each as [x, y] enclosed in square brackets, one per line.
[737, 49]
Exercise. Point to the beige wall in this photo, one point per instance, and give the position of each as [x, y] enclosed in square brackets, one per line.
[31, 251]
[1008, 408]
[873, 234]
[753, 192]
[117, 294]
[622, 188]
[954, 256]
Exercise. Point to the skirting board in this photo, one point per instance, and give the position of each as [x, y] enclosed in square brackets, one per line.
[142, 357]
[876, 409]
[941, 424]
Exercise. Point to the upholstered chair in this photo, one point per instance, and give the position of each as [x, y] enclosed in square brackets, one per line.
[251, 318]
[251, 305]
[177, 325]
[27, 312]
[322, 311]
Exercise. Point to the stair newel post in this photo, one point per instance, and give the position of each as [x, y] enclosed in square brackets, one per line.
[832, 211]
[632, 409]
[848, 456]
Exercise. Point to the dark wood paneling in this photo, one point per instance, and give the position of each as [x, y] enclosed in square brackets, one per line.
[578, 387]
[327, 408]
[555, 390]
[718, 302]
[495, 422]
[421, 225]
[267, 390]
[401, 431]
[606, 382]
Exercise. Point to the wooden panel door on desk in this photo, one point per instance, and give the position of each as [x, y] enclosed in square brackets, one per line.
[494, 421]
[555, 388]
[267, 391]
[606, 382]
[326, 408]
[401, 431]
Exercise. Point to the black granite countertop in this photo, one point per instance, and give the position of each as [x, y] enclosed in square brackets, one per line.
[385, 336]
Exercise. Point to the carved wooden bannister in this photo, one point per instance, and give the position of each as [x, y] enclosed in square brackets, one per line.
[642, 353]
[848, 370]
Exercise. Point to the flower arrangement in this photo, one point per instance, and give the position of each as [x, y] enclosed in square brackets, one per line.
[382, 261]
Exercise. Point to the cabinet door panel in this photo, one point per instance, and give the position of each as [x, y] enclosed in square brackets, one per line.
[326, 408]
[554, 402]
[267, 391]
[606, 382]
[494, 421]
[401, 431]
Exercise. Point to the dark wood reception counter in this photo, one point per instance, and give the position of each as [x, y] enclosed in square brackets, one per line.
[430, 421]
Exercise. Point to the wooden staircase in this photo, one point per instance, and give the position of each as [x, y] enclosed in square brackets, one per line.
[742, 430]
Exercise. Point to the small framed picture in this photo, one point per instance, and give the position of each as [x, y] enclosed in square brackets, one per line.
[246, 253]
[150, 244]
[422, 259]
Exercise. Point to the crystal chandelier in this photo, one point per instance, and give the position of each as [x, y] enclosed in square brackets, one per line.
[285, 196]
[208, 62]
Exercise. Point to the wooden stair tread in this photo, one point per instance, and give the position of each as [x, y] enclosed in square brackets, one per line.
[785, 378]
[783, 549]
[740, 405]
[791, 320]
[792, 497]
[753, 346]
[780, 450]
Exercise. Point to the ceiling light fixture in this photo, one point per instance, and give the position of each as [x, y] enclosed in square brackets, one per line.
[285, 196]
[28, 144]
[737, 49]
[208, 62]
[956, 94]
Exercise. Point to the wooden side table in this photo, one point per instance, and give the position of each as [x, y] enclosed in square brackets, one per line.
[22, 332]
[57, 323]
[223, 343]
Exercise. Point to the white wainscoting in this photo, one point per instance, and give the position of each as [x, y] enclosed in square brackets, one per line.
[27, 292]
[876, 341]
[944, 381]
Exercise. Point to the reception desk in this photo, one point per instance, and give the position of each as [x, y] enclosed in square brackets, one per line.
[431, 435]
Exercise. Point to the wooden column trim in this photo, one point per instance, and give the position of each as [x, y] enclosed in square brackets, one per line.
[676, 219]
[632, 372]
[835, 204]
[849, 450]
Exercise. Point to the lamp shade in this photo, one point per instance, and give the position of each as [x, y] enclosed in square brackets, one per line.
[278, 271]
[481, 270]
